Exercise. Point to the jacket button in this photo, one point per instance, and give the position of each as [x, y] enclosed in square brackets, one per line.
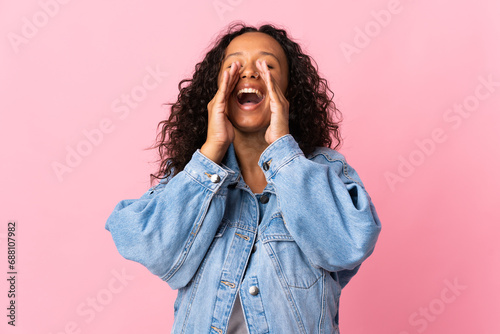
[254, 248]
[264, 199]
[254, 290]
[214, 178]
[265, 166]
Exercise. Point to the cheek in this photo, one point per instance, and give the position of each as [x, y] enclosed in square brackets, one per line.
[281, 81]
[283, 85]
[219, 80]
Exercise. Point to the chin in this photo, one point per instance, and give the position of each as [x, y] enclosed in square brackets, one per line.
[248, 127]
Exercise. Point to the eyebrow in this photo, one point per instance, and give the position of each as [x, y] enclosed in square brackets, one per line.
[264, 53]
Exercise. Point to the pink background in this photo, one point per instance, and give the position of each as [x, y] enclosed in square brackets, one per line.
[431, 171]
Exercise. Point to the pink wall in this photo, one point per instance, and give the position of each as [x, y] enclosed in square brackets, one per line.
[421, 128]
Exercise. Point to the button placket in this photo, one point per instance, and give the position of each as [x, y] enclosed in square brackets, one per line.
[252, 298]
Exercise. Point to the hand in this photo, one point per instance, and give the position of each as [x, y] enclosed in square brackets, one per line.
[278, 103]
[220, 132]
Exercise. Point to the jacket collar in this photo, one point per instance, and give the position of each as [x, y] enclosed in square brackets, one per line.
[230, 163]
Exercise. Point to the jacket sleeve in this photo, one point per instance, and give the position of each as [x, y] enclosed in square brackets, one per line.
[170, 228]
[324, 204]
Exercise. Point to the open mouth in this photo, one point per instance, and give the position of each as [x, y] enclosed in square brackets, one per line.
[249, 97]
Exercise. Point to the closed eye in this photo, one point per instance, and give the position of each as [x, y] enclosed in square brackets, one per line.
[269, 66]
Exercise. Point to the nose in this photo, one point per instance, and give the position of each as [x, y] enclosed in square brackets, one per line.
[249, 72]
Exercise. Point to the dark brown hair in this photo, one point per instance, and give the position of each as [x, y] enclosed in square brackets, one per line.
[313, 117]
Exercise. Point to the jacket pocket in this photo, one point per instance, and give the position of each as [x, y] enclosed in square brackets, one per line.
[290, 263]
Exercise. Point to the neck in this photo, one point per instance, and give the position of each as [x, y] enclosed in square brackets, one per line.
[248, 148]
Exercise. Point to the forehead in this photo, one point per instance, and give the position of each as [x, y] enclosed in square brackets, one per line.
[255, 42]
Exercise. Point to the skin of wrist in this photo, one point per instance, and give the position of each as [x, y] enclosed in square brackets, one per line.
[214, 152]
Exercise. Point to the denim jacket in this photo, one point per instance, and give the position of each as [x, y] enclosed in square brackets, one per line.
[202, 232]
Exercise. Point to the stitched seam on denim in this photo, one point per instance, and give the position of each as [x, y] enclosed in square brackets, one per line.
[280, 215]
[344, 167]
[207, 162]
[278, 205]
[156, 188]
[181, 298]
[276, 237]
[327, 156]
[242, 226]
[247, 320]
[240, 215]
[221, 273]
[255, 281]
[287, 161]
[312, 156]
[272, 149]
[323, 303]
[288, 239]
[224, 271]
[161, 184]
[285, 287]
[337, 290]
[266, 224]
[305, 288]
[202, 184]
[198, 276]
[347, 174]
[189, 242]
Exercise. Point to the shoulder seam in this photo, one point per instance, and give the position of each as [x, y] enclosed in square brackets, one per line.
[323, 151]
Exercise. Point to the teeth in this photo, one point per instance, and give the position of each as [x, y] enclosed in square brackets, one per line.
[249, 90]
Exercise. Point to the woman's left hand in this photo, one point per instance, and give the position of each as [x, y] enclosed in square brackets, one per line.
[278, 103]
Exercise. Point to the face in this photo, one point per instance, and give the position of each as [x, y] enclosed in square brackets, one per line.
[244, 112]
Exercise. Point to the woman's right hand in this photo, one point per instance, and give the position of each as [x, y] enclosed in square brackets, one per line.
[220, 132]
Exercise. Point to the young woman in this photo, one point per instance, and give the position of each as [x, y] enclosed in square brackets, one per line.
[256, 221]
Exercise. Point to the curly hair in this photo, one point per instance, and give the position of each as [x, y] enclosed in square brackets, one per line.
[313, 116]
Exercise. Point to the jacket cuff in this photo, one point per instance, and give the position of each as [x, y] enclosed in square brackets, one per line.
[206, 172]
[279, 153]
